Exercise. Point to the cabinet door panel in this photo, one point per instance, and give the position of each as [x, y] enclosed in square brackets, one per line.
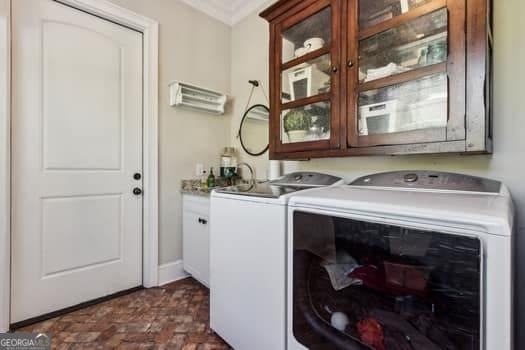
[415, 44]
[414, 105]
[409, 79]
[308, 35]
[317, 123]
[308, 80]
[378, 11]
[196, 245]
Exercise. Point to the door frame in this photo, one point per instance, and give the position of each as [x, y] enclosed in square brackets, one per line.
[150, 30]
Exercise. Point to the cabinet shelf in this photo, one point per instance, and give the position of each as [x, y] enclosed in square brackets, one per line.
[403, 77]
[305, 58]
[306, 101]
[407, 42]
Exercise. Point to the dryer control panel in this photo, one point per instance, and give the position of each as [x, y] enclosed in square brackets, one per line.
[430, 180]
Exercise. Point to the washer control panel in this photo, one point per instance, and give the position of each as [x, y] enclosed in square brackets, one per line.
[430, 180]
[306, 179]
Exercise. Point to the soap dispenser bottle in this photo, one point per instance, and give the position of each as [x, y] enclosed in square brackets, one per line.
[211, 179]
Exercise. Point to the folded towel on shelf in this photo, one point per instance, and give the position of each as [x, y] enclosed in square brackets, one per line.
[386, 71]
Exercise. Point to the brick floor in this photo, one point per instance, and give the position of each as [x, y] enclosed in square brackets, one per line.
[174, 316]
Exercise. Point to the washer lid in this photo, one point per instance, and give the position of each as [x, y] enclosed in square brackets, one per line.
[492, 213]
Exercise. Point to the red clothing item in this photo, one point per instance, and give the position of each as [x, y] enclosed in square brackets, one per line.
[371, 333]
[390, 278]
[372, 277]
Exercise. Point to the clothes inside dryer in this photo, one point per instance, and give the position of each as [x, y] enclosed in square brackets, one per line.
[364, 285]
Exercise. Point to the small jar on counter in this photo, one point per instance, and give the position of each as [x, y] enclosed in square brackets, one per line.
[228, 162]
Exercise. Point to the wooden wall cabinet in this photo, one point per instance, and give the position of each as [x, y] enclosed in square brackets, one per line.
[379, 77]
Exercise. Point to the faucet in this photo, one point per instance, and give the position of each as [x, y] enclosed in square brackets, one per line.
[252, 173]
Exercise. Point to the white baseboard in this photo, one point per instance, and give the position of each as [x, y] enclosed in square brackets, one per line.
[171, 272]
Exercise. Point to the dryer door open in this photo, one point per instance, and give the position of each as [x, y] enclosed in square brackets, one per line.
[362, 285]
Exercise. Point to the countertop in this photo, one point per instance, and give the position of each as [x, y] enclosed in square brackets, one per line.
[192, 187]
[197, 192]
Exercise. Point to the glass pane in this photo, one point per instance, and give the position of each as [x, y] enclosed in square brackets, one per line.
[415, 44]
[387, 286]
[417, 104]
[309, 35]
[306, 123]
[378, 11]
[307, 79]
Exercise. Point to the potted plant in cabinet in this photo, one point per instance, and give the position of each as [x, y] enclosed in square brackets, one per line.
[296, 125]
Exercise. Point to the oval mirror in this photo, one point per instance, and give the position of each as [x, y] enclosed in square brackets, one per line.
[254, 131]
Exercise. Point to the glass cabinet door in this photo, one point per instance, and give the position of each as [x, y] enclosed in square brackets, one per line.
[308, 78]
[406, 54]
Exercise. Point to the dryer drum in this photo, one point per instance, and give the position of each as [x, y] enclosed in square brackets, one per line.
[430, 300]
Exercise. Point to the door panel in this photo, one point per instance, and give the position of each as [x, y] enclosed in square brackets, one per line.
[84, 145]
[77, 141]
[71, 223]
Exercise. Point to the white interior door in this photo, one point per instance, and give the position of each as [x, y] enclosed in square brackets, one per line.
[77, 142]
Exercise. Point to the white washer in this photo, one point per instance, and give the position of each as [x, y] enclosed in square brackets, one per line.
[425, 255]
[248, 262]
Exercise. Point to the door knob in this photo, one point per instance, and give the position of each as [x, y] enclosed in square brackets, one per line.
[137, 191]
[137, 176]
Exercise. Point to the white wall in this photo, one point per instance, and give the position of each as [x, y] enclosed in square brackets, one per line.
[249, 57]
[193, 48]
[249, 62]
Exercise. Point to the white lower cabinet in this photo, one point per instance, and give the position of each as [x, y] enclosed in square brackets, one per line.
[196, 239]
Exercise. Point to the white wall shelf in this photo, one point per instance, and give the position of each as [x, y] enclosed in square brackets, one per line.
[196, 98]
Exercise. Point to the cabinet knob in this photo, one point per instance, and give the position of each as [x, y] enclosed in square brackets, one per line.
[334, 69]
[350, 64]
[137, 191]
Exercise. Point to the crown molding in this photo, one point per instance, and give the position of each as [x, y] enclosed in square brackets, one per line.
[245, 8]
[229, 12]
